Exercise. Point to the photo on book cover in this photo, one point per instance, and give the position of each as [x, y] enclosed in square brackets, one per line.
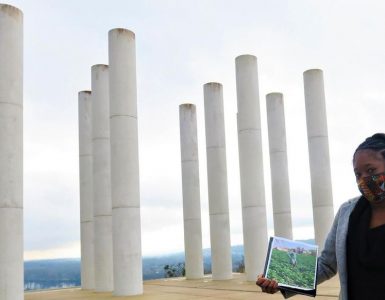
[292, 264]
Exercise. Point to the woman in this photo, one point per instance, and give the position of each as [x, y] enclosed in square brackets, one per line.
[355, 246]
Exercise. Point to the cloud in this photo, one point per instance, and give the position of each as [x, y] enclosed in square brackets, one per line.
[69, 250]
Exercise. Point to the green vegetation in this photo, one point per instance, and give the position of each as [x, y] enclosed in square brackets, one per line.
[301, 275]
[240, 268]
[177, 270]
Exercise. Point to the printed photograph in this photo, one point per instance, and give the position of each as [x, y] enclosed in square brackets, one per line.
[292, 264]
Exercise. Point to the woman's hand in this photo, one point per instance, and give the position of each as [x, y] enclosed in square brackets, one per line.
[267, 285]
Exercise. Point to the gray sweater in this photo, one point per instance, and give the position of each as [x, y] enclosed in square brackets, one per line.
[333, 256]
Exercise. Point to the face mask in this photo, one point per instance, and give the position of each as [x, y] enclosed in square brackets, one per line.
[373, 187]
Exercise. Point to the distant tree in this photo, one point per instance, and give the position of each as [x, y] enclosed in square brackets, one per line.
[175, 270]
[240, 268]
[206, 269]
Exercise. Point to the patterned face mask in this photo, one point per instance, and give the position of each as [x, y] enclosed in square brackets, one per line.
[373, 187]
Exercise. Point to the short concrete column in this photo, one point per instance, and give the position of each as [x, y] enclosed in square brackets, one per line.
[191, 192]
[318, 142]
[251, 166]
[128, 278]
[11, 153]
[86, 191]
[101, 179]
[221, 260]
[278, 166]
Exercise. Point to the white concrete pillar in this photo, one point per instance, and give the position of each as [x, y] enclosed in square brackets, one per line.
[221, 261]
[125, 164]
[11, 153]
[191, 192]
[101, 179]
[251, 166]
[86, 191]
[317, 132]
[278, 166]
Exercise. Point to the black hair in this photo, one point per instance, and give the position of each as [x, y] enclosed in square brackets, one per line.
[376, 142]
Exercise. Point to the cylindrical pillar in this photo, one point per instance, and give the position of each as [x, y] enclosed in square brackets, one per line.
[221, 261]
[11, 153]
[320, 174]
[191, 192]
[125, 164]
[101, 179]
[86, 191]
[278, 166]
[251, 166]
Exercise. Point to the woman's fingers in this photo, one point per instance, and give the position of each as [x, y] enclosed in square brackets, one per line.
[260, 280]
[272, 287]
[267, 285]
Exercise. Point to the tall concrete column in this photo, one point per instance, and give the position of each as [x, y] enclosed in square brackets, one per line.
[11, 153]
[86, 191]
[251, 166]
[125, 164]
[318, 142]
[101, 179]
[221, 261]
[278, 166]
[191, 192]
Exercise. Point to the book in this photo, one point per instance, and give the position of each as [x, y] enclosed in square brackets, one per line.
[293, 265]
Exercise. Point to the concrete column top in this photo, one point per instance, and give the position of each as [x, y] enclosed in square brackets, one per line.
[85, 92]
[122, 31]
[245, 57]
[10, 10]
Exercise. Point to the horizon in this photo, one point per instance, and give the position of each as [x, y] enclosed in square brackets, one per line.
[154, 255]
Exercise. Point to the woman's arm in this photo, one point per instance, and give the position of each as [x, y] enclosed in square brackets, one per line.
[327, 262]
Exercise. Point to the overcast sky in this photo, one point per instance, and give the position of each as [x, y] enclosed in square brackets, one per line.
[180, 46]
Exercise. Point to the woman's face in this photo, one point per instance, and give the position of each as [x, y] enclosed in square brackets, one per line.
[367, 163]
